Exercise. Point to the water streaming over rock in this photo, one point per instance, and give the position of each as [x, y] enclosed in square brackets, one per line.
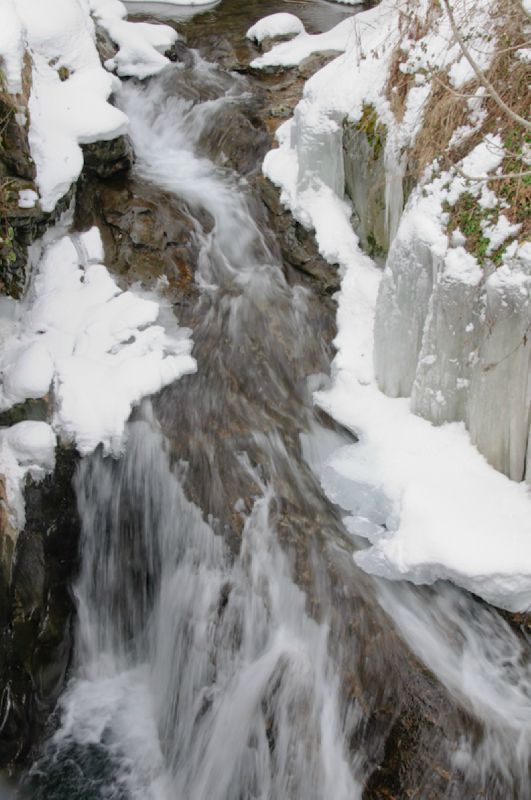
[202, 670]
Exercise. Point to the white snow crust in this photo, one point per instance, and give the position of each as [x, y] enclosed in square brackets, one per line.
[425, 498]
[97, 347]
[67, 113]
[289, 54]
[281, 24]
[140, 44]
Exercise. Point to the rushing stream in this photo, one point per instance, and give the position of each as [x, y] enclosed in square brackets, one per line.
[227, 647]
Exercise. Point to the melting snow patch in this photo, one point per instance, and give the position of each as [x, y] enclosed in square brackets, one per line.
[27, 198]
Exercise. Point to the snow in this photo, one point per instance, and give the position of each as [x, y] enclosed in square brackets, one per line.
[25, 448]
[98, 347]
[425, 498]
[27, 198]
[484, 158]
[289, 54]
[141, 45]
[59, 33]
[11, 46]
[71, 108]
[281, 24]
[498, 233]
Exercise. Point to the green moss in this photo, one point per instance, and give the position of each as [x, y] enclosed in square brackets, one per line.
[373, 129]
[373, 248]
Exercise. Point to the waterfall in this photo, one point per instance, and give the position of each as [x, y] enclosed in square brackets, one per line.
[198, 672]
[197, 675]
[202, 670]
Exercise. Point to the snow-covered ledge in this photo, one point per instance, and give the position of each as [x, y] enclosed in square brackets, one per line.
[426, 500]
[70, 89]
[92, 350]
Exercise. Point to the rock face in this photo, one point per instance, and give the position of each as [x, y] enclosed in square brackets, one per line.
[108, 157]
[363, 157]
[297, 245]
[18, 226]
[37, 607]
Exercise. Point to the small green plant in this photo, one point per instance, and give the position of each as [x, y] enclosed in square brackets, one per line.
[516, 192]
[469, 217]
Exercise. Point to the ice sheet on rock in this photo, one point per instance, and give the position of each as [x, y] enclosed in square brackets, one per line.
[25, 448]
[95, 344]
[281, 24]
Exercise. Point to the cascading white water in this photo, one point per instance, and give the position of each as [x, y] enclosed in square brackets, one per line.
[199, 673]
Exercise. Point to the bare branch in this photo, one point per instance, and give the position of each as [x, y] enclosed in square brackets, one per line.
[501, 177]
[480, 74]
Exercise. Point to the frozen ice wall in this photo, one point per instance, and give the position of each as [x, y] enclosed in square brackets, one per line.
[455, 336]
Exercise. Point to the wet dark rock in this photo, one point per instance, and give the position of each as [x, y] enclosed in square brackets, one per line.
[363, 158]
[298, 245]
[181, 54]
[105, 45]
[7, 547]
[15, 156]
[36, 639]
[38, 410]
[147, 235]
[19, 228]
[106, 158]
[238, 138]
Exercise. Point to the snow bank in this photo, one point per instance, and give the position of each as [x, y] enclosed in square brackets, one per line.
[427, 501]
[25, 448]
[289, 54]
[141, 45]
[68, 102]
[96, 346]
[281, 24]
